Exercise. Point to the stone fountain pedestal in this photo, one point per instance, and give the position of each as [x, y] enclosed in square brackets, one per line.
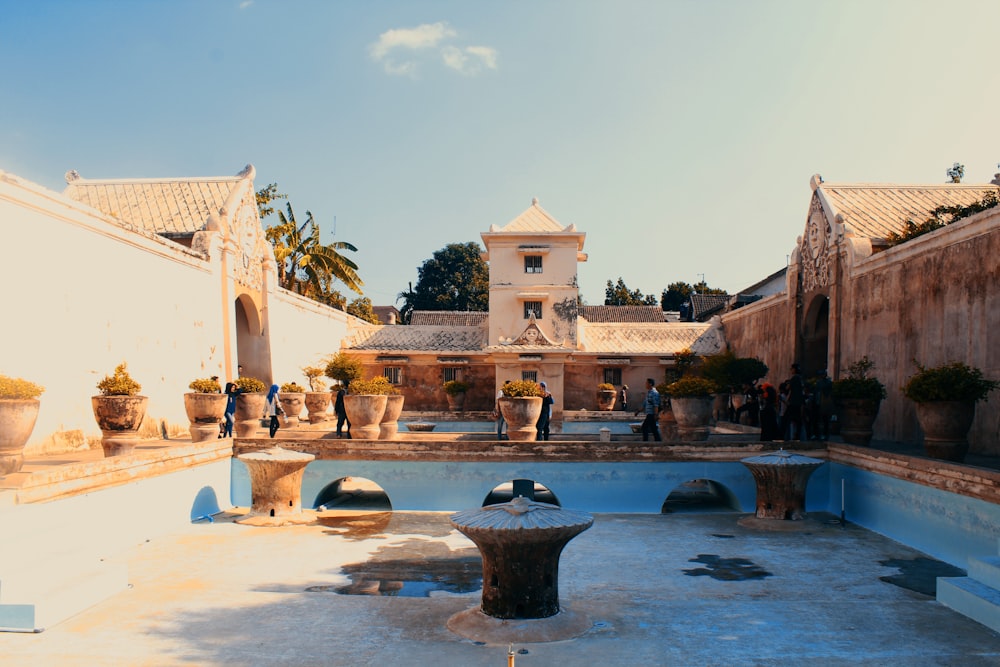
[781, 483]
[520, 542]
[275, 487]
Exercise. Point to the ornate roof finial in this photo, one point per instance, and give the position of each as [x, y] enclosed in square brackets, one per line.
[534, 201]
[72, 175]
[248, 172]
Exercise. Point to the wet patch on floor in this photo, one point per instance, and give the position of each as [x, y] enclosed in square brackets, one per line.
[358, 526]
[919, 574]
[723, 537]
[726, 569]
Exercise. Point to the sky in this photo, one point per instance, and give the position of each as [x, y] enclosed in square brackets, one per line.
[679, 135]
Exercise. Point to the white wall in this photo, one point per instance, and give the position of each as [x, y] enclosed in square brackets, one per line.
[302, 332]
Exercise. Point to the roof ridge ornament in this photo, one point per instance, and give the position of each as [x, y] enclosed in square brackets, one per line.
[72, 175]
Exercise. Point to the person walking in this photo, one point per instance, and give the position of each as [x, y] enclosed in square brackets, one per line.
[768, 413]
[232, 391]
[796, 406]
[651, 405]
[542, 425]
[623, 397]
[272, 409]
[501, 422]
[341, 412]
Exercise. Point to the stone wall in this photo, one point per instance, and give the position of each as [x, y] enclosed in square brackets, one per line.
[764, 329]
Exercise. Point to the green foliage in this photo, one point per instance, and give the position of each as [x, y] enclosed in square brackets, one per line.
[343, 367]
[956, 172]
[11, 387]
[858, 383]
[455, 278]
[119, 384]
[250, 385]
[685, 363]
[313, 374]
[265, 196]
[521, 388]
[361, 308]
[675, 295]
[376, 386]
[205, 386]
[620, 295]
[941, 216]
[292, 388]
[747, 370]
[950, 382]
[455, 387]
[719, 368]
[605, 386]
[691, 386]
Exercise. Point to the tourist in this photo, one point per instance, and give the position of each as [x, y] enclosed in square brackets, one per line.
[341, 412]
[542, 425]
[651, 406]
[768, 413]
[498, 413]
[794, 429]
[824, 399]
[623, 396]
[232, 391]
[272, 409]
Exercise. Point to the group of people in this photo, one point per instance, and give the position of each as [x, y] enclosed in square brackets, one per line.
[795, 410]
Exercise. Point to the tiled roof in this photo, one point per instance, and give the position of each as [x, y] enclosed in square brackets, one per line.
[648, 338]
[706, 305]
[455, 318]
[170, 206]
[534, 220]
[621, 313]
[418, 338]
[874, 211]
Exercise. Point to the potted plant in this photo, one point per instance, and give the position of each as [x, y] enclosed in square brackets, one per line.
[668, 423]
[18, 412]
[691, 399]
[292, 397]
[365, 404]
[946, 398]
[857, 398]
[606, 396]
[455, 391]
[317, 398]
[119, 411]
[250, 401]
[205, 406]
[521, 405]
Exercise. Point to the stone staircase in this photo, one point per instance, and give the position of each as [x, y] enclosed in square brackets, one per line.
[976, 595]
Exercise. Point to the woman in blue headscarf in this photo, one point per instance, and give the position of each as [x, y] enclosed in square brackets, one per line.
[272, 409]
[232, 391]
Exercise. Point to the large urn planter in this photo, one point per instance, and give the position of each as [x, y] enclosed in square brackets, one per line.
[249, 410]
[389, 426]
[318, 405]
[946, 425]
[521, 414]
[204, 411]
[456, 402]
[668, 424]
[17, 419]
[292, 403]
[119, 418]
[606, 399]
[693, 414]
[855, 417]
[365, 411]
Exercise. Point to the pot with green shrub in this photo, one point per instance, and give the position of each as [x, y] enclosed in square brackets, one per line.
[946, 398]
[18, 412]
[521, 406]
[365, 403]
[318, 398]
[857, 398]
[119, 411]
[606, 396]
[205, 406]
[455, 390]
[388, 427]
[666, 419]
[292, 397]
[250, 402]
[691, 399]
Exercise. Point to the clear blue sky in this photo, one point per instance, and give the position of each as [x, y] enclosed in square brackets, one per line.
[680, 136]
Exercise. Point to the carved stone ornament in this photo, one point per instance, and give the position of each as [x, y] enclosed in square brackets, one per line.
[814, 251]
[245, 230]
[531, 335]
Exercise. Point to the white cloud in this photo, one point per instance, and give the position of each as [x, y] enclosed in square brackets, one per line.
[245, 4]
[397, 50]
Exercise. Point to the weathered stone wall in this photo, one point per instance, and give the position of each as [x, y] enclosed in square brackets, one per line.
[765, 330]
[422, 378]
[302, 332]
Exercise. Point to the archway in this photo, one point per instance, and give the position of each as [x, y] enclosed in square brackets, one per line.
[815, 335]
[529, 488]
[253, 352]
[700, 495]
[352, 493]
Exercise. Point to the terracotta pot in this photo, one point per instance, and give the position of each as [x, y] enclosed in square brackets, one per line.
[668, 424]
[389, 426]
[521, 414]
[204, 411]
[292, 404]
[17, 419]
[856, 417]
[119, 418]
[249, 410]
[606, 399]
[693, 414]
[946, 425]
[456, 402]
[318, 405]
[365, 411]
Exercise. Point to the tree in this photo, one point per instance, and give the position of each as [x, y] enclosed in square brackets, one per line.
[619, 295]
[265, 196]
[956, 172]
[343, 367]
[361, 308]
[455, 278]
[675, 295]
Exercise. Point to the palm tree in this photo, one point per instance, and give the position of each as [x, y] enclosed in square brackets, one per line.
[306, 265]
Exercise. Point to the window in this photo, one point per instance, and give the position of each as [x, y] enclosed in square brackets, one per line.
[530, 376]
[451, 375]
[613, 375]
[532, 263]
[394, 374]
[533, 307]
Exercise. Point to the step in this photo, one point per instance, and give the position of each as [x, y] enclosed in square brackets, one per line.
[986, 570]
[971, 598]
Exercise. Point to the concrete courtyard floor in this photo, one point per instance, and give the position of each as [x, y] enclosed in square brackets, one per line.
[672, 589]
